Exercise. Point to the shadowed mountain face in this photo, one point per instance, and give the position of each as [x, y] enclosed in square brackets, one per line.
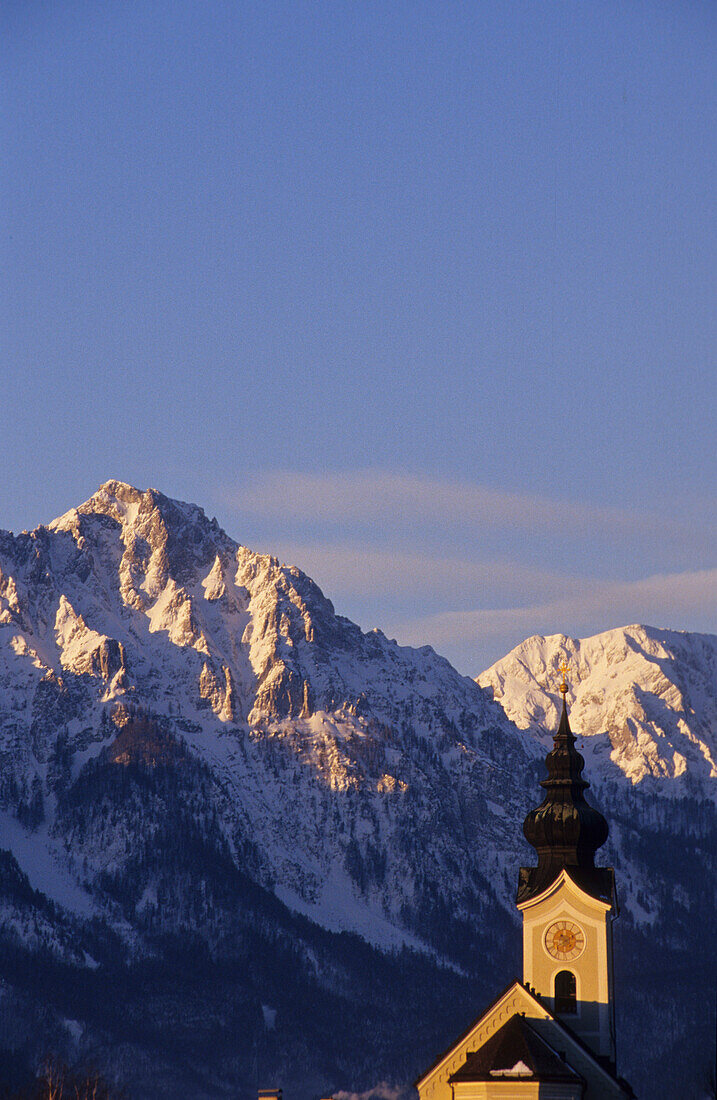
[251, 842]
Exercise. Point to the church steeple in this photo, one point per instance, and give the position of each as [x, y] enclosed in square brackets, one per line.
[554, 1032]
[568, 904]
[565, 829]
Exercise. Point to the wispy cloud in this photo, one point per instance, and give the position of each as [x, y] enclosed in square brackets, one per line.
[671, 600]
[355, 569]
[373, 495]
[473, 571]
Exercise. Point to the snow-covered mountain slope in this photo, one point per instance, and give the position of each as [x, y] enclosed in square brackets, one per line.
[205, 771]
[645, 697]
[329, 748]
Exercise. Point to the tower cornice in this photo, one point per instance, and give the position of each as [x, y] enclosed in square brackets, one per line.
[565, 878]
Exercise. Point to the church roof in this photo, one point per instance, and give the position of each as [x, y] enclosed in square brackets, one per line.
[516, 1052]
[464, 1034]
[558, 1027]
[565, 829]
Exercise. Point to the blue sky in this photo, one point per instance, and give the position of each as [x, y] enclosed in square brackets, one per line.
[420, 297]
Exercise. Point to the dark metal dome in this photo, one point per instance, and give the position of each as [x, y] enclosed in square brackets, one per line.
[565, 829]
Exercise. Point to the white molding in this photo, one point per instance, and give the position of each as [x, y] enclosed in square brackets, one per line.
[564, 879]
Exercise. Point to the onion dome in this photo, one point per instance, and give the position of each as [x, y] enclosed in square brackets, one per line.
[565, 829]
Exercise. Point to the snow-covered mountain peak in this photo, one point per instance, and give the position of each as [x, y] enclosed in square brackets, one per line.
[192, 739]
[178, 537]
[650, 692]
[134, 600]
[149, 600]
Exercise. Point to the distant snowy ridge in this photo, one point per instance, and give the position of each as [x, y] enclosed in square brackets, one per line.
[649, 695]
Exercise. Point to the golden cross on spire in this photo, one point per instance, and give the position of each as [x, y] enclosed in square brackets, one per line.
[563, 669]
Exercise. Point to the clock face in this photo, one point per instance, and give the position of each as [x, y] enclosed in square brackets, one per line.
[565, 940]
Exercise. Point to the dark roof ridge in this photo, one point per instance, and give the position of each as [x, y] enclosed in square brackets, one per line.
[517, 1041]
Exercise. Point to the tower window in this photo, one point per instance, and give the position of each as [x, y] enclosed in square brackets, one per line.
[566, 1001]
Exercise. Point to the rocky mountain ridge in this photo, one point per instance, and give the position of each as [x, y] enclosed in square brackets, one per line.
[201, 760]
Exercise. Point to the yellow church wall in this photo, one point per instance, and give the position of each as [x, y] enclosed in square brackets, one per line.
[516, 1090]
[498, 1090]
[592, 968]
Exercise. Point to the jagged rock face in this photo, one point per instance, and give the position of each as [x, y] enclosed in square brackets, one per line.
[330, 748]
[190, 735]
[173, 589]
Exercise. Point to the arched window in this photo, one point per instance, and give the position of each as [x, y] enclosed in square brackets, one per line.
[566, 1001]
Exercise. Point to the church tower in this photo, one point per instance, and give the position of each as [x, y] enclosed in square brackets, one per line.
[567, 903]
[553, 1034]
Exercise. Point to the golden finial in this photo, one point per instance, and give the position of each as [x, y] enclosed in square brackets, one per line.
[563, 669]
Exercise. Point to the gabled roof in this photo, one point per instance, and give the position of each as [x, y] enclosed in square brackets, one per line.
[464, 1034]
[536, 1008]
[516, 1052]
